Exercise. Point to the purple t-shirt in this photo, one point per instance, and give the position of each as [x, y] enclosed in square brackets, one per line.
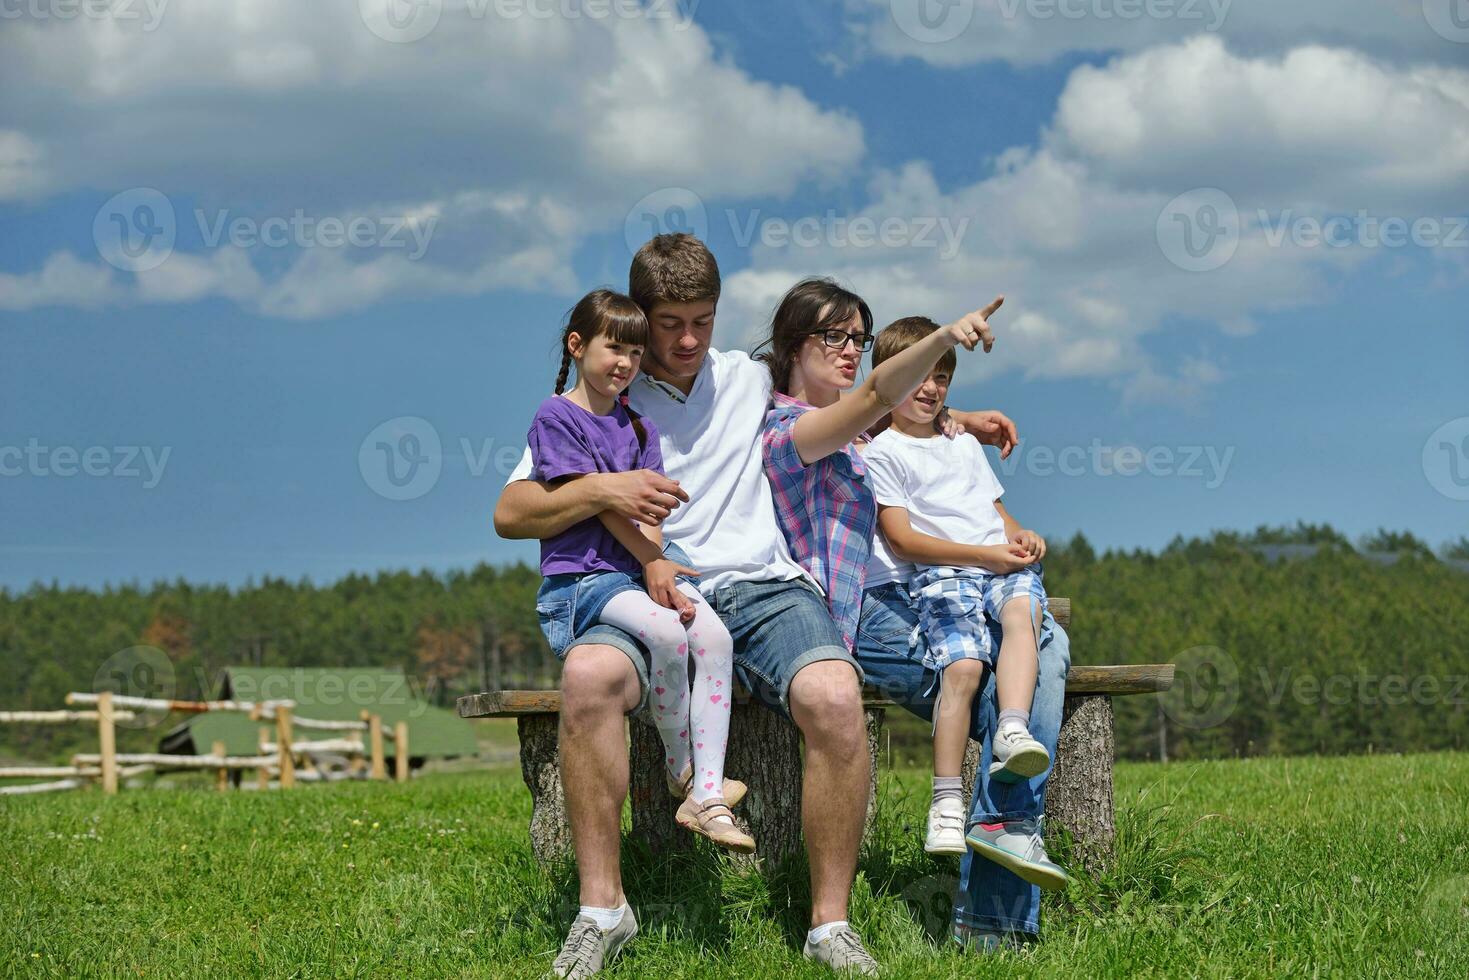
[567, 440]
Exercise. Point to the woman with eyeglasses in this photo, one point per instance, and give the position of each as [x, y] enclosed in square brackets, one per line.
[812, 432]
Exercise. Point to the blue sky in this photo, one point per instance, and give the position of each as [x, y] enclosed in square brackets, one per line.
[229, 389]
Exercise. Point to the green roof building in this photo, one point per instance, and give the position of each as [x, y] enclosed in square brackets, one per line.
[326, 694]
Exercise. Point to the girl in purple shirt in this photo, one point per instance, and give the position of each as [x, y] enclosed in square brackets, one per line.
[608, 569]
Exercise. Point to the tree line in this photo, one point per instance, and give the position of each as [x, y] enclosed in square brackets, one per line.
[1287, 640]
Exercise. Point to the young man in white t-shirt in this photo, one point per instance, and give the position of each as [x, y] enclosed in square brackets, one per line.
[977, 593]
[715, 505]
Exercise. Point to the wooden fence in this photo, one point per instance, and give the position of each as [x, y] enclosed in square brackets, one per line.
[280, 753]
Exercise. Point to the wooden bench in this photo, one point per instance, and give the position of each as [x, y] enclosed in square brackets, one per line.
[764, 752]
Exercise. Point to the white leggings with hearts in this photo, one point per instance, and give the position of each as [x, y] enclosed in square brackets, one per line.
[694, 726]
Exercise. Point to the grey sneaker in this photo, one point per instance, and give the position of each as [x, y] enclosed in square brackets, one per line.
[1016, 755]
[842, 950]
[1017, 845]
[587, 948]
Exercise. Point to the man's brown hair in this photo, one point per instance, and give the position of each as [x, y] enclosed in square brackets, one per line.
[901, 334]
[673, 269]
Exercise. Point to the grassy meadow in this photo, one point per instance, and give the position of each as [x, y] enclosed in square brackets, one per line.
[1251, 868]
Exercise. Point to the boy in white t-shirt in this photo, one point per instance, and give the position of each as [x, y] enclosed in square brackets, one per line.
[977, 590]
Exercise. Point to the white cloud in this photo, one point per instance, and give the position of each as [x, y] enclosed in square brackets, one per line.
[523, 135]
[1069, 229]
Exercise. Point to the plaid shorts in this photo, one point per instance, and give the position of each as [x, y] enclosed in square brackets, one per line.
[959, 610]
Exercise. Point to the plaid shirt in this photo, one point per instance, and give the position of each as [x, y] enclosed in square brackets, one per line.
[826, 511]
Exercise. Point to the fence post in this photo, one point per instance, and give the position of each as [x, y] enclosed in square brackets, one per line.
[107, 737]
[283, 746]
[262, 774]
[400, 751]
[375, 744]
[222, 776]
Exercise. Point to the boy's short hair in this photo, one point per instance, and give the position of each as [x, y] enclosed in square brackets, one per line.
[901, 334]
[674, 268]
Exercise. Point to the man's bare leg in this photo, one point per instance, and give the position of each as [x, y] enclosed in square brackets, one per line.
[598, 688]
[826, 704]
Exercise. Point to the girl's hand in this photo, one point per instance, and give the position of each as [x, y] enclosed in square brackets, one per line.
[973, 329]
[1002, 559]
[659, 577]
[1033, 543]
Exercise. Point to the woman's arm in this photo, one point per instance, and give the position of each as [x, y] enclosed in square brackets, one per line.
[823, 431]
[925, 549]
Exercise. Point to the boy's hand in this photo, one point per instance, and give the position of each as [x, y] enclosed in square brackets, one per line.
[973, 329]
[1002, 559]
[1033, 543]
[659, 577]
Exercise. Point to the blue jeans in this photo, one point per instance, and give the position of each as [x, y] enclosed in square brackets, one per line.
[989, 896]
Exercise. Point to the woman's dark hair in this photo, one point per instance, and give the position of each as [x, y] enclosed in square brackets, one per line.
[811, 306]
[600, 312]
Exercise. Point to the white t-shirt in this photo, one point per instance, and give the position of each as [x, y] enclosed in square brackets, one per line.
[710, 441]
[946, 486]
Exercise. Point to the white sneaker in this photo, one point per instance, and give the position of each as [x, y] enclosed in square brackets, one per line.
[945, 828]
[1016, 755]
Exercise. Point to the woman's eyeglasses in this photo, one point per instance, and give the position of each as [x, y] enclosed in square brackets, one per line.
[838, 339]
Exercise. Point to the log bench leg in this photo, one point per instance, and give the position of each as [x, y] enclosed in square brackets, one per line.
[1079, 790]
[540, 765]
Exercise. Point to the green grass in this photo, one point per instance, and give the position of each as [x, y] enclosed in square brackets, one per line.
[1263, 867]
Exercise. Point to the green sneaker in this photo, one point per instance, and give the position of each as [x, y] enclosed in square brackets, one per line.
[588, 948]
[1017, 845]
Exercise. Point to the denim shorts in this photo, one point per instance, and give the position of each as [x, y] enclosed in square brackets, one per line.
[569, 604]
[778, 628]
